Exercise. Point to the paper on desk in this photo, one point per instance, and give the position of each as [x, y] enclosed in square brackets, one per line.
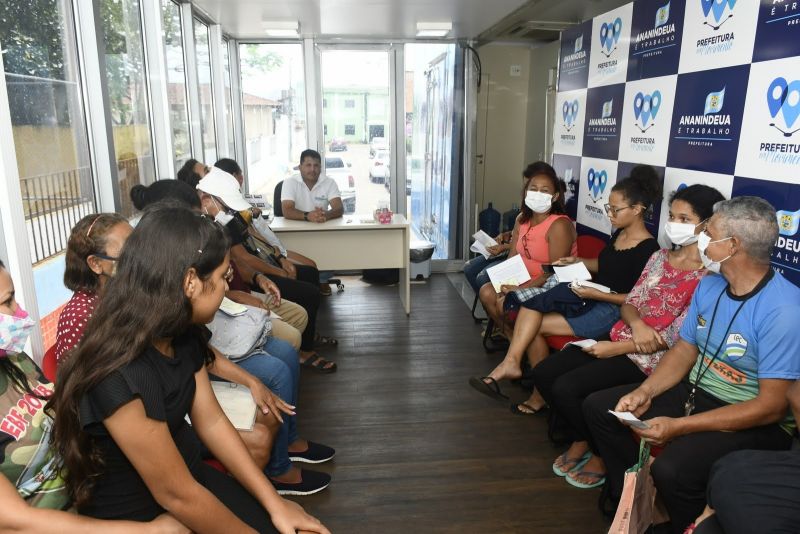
[574, 271]
[629, 419]
[237, 403]
[511, 272]
[482, 242]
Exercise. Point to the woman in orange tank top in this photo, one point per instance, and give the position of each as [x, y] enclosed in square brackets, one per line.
[542, 234]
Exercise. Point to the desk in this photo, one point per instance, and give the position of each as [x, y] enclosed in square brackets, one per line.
[348, 244]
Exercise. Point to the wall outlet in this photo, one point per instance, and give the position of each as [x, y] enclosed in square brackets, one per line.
[516, 71]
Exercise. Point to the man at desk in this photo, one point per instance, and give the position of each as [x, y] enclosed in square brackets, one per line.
[307, 197]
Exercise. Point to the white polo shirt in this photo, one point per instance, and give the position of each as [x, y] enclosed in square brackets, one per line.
[306, 199]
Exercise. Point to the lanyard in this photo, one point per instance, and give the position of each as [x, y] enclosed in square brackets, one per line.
[688, 408]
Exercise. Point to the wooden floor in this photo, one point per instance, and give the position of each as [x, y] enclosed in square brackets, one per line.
[418, 450]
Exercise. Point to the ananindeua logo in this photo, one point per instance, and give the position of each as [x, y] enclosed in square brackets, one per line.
[569, 111]
[609, 36]
[645, 107]
[712, 125]
[606, 124]
[577, 58]
[716, 13]
[788, 222]
[596, 180]
[659, 34]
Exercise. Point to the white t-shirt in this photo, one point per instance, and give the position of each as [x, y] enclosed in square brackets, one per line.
[307, 200]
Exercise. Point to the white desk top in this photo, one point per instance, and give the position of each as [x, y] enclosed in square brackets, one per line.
[348, 222]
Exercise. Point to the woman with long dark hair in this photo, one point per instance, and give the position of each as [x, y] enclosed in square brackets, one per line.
[140, 369]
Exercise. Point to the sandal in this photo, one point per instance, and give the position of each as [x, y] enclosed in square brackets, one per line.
[599, 479]
[319, 364]
[578, 463]
[515, 409]
[490, 389]
[325, 290]
[325, 340]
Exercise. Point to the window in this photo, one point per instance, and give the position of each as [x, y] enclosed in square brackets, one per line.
[228, 98]
[203, 56]
[325, 129]
[47, 121]
[176, 82]
[349, 129]
[324, 102]
[127, 91]
[350, 103]
[274, 111]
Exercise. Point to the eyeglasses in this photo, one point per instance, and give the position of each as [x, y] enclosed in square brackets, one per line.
[525, 245]
[228, 276]
[105, 257]
[611, 210]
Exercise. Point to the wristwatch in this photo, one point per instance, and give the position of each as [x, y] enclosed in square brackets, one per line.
[305, 215]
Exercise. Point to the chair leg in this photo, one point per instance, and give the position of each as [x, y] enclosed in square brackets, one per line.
[489, 343]
[475, 307]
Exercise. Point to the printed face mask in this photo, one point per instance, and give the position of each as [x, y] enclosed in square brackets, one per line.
[538, 202]
[15, 330]
[703, 240]
[681, 233]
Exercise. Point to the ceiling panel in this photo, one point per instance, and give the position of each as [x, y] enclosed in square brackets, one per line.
[380, 19]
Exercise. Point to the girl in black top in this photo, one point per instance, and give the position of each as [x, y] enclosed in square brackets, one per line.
[618, 266]
[119, 409]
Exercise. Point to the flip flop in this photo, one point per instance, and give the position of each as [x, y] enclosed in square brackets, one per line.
[579, 462]
[490, 389]
[321, 366]
[533, 411]
[325, 340]
[325, 290]
[600, 479]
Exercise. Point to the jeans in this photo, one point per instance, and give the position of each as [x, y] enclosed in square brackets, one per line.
[278, 367]
[475, 270]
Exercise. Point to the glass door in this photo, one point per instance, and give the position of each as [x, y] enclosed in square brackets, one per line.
[357, 119]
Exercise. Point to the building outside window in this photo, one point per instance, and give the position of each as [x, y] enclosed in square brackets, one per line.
[176, 82]
[203, 59]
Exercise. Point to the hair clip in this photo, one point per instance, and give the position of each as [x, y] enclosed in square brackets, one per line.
[89, 231]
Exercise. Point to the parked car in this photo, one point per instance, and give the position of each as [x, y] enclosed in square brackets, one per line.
[376, 144]
[377, 169]
[339, 170]
[338, 145]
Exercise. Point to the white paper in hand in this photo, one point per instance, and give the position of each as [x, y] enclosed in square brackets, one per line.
[627, 418]
[482, 242]
[511, 272]
[583, 343]
[572, 272]
[231, 308]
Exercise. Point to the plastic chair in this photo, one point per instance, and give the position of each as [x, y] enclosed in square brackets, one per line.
[50, 364]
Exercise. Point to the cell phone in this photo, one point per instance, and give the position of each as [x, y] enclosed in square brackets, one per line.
[548, 268]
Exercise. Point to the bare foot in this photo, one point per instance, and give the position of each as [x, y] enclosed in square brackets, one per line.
[506, 369]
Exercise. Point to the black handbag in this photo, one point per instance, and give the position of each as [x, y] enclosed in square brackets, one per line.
[561, 300]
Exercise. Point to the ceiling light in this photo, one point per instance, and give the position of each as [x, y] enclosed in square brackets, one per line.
[433, 29]
[278, 28]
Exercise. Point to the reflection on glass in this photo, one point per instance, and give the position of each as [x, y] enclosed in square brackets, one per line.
[127, 88]
[176, 88]
[357, 125]
[274, 106]
[228, 98]
[47, 122]
[176, 76]
[431, 103]
[203, 55]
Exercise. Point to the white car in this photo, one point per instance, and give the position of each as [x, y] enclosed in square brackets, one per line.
[377, 144]
[339, 170]
[378, 167]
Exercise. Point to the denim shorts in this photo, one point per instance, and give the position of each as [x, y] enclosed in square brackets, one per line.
[596, 323]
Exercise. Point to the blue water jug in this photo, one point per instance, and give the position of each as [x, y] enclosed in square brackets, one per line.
[489, 221]
[509, 218]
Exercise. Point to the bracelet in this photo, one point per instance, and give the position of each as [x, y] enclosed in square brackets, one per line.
[254, 280]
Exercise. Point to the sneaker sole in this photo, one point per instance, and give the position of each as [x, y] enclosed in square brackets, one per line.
[303, 459]
[301, 493]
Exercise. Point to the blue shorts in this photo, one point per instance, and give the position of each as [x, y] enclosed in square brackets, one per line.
[596, 323]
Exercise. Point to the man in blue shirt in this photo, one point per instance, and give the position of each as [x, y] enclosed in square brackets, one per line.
[723, 386]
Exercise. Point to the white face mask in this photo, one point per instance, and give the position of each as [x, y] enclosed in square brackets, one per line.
[538, 202]
[221, 217]
[15, 331]
[702, 244]
[681, 233]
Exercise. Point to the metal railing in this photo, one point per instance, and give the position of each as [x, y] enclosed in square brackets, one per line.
[53, 204]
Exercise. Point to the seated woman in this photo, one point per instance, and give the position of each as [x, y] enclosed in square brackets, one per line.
[475, 269]
[123, 396]
[618, 267]
[722, 387]
[651, 319]
[32, 492]
[542, 234]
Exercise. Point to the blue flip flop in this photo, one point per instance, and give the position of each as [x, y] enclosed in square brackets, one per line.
[579, 462]
[601, 479]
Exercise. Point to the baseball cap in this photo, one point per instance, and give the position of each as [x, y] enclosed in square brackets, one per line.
[225, 187]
